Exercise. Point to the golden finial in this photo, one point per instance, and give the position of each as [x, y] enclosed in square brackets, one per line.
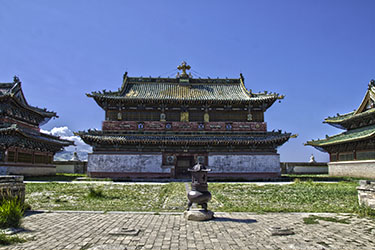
[183, 67]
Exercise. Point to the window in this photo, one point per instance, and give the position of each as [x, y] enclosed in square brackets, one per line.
[365, 155]
[25, 157]
[346, 156]
[11, 156]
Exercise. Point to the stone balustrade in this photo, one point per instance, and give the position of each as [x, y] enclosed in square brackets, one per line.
[366, 193]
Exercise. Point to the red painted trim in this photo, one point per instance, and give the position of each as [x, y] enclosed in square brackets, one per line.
[182, 126]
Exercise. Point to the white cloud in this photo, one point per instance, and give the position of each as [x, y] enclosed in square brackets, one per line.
[65, 133]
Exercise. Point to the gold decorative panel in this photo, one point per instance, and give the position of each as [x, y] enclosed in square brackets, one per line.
[184, 116]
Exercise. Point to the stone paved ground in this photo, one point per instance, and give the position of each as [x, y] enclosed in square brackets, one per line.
[85, 230]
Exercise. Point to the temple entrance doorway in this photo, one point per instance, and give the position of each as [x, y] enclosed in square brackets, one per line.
[183, 163]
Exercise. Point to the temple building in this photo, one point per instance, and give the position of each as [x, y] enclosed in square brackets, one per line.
[352, 153]
[23, 148]
[160, 127]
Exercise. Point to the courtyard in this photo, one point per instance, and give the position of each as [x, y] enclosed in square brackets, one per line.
[237, 230]
[125, 215]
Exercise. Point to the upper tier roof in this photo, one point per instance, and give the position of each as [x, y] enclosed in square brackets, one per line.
[14, 91]
[365, 110]
[183, 88]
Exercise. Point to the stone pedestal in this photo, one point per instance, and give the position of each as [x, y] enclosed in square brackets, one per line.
[198, 215]
[366, 193]
[12, 186]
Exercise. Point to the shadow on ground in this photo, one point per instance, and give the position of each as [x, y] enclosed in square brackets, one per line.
[226, 219]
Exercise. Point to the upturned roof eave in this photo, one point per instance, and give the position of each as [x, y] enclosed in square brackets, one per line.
[349, 117]
[100, 98]
[326, 142]
[48, 114]
[49, 139]
[90, 139]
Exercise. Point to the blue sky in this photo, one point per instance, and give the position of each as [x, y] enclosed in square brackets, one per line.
[319, 54]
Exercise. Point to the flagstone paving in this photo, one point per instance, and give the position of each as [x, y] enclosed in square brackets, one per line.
[121, 230]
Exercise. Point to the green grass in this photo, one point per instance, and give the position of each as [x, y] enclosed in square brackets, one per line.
[95, 193]
[297, 197]
[320, 177]
[6, 240]
[313, 219]
[11, 212]
[365, 211]
[66, 196]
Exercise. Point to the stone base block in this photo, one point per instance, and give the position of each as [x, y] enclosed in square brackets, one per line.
[366, 193]
[198, 215]
[28, 170]
[12, 186]
[364, 169]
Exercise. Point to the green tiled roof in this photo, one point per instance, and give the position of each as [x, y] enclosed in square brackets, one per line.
[14, 91]
[348, 136]
[338, 118]
[197, 139]
[342, 121]
[13, 131]
[193, 90]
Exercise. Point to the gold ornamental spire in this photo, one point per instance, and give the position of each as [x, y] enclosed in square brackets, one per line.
[183, 67]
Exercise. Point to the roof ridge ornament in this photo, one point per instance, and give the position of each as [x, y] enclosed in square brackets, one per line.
[183, 67]
[371, 84]
[16, 79]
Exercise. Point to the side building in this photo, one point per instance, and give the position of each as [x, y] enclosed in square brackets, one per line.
[24, 149]
[160, 127]
[352, 153]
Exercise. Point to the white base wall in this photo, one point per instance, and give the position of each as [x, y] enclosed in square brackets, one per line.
[365, 169]
[27, 171]
[126, 163]
[244, 163]
[65, 169]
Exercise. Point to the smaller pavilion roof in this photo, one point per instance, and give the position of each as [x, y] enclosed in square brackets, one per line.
[8, 133]
[345, 137]
[14, 91]
[365, 109]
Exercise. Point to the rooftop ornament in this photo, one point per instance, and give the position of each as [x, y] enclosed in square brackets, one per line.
[371, 83]
[199, 194]
[183, 67]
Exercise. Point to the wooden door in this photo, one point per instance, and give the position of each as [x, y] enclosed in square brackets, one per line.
[183, 163]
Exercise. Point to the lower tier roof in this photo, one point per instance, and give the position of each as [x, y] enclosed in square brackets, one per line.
[16, 136]
[97, 137]
[345, 137]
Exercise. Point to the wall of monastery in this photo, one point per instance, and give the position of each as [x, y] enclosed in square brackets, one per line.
[27, 170]
[125, 163]
[365, 169]
[304, 168]
[247, 166]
